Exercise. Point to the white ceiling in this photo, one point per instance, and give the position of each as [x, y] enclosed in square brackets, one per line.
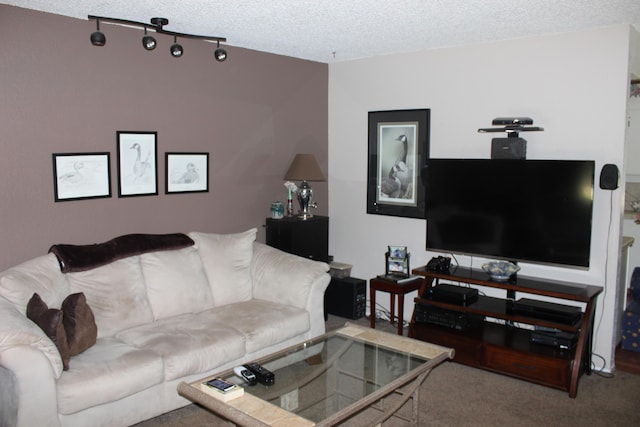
[340, 30]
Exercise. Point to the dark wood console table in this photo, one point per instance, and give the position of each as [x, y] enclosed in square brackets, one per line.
[502, 346]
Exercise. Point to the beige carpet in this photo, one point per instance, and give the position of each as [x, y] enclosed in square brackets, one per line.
[456, 395]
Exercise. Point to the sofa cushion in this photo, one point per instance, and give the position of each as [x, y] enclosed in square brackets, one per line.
[227, 260]
[79, 323]
[175, 282]
[40, 275]
[187, 344]
[50, 321]
[290, 283]
[263, 323]
[116, 294]
[108, 371]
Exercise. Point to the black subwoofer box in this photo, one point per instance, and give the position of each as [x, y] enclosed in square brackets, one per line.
[346, 297]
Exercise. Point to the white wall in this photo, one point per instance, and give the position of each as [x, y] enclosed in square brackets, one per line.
[634, 52]
[574, 85]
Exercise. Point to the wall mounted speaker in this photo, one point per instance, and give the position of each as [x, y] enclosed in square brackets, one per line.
[508, 148]
[609, 177]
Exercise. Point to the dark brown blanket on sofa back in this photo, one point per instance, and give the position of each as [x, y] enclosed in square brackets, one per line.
[73, 258]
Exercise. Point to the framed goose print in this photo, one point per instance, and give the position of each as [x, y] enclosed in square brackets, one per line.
[79, 176]
[137, 160]
[398, 148]
[187, 172]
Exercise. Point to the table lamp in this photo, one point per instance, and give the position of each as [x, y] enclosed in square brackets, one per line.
[304, 167]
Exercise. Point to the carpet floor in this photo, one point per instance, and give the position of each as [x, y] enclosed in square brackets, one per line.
[456, 395]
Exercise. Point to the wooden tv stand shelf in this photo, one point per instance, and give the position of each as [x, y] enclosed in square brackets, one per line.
[498, 344]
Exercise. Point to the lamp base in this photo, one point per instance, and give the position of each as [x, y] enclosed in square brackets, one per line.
[305, 197]
[304, 216]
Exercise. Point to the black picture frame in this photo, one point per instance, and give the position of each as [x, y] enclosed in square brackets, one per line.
[81, 176]
[394, 186]
[186, 172]
[137, 163]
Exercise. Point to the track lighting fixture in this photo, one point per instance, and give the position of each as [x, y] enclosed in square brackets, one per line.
[220, 54]
[98, 38]
[176, 49]
[149, 42]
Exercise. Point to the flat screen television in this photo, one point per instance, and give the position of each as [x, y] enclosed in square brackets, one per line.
[519, 210]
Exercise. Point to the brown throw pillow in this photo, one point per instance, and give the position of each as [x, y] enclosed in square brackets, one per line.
[50, 321]
[79, 323]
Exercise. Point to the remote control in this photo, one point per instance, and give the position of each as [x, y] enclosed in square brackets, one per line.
[245, 374]
[263, 375]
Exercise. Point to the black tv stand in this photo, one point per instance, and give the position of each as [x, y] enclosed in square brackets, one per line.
[502, 343]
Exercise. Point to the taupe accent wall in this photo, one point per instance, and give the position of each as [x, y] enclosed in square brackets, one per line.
[60, 94]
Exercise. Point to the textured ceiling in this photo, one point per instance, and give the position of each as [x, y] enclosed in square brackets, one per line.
[340, 30]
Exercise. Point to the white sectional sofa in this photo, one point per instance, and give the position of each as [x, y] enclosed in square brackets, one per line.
[163, 316]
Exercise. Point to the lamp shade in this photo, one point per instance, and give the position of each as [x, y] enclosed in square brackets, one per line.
[304, 167]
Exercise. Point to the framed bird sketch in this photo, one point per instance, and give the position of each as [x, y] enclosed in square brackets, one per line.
[137, 163]
[187, 172]
[81, 176]
[398, 148]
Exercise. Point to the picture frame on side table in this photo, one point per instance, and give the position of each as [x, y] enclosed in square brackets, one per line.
[397, 261]
[78, 176]
[186, 172]
[398, 148]
[137, 163]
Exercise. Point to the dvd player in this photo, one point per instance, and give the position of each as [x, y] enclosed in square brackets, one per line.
[452, 294]
[556, 338]
[448, 318]
[543, 310]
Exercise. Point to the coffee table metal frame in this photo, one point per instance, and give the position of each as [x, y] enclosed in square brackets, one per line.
[249, 410]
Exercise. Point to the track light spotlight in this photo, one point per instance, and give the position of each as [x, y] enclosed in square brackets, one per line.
[220, 54]
[176, 49]
[98, 38]
[148, 42]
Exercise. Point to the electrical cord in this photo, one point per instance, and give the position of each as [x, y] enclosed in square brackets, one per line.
[600, 372]
[382, 313]
[455, 259]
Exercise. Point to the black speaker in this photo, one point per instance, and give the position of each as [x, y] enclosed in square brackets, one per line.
[508, 148]
[346, 297]
[609, 177]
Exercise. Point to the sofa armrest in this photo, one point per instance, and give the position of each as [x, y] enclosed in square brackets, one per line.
[288, 279]
[28, 395]
[29, 366]
[16, 330]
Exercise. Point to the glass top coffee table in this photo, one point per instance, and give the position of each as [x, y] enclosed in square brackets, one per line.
[354, 375]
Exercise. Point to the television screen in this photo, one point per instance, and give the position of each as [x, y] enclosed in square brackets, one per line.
[518, 210]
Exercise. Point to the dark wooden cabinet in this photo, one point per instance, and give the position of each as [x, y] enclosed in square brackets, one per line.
[502, 343]
[308, 238]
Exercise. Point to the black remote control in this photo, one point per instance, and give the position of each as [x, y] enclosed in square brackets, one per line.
[263, 375]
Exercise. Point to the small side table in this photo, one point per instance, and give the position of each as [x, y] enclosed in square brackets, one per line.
[395, 290]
